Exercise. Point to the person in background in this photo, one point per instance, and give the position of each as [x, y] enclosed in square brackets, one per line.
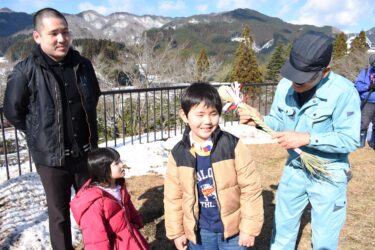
[212, 192]
[52, 96]
[366, 87]
[318, 111]
[103, 209]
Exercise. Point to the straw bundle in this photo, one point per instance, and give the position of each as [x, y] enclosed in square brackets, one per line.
[231, 97]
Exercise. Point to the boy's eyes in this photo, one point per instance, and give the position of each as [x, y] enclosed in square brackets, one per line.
[202, 114]
[56, 33]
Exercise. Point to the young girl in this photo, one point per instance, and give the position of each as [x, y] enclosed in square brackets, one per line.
[103, 209]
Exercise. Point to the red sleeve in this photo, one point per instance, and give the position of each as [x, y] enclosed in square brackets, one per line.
[93, 228]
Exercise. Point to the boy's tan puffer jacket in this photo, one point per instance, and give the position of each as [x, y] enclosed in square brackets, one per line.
[238, 188]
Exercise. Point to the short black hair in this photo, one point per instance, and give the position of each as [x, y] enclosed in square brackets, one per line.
[46, 12]
[99, 164]
[200, 92]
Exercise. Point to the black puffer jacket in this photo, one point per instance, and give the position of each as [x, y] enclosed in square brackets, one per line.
[32, 103]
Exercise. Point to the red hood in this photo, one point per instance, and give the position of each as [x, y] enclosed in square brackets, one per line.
[86, 196]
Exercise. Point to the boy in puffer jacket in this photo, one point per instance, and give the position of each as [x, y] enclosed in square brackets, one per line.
[212, 192]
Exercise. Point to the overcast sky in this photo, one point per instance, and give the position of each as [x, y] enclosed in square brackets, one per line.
[347, 15]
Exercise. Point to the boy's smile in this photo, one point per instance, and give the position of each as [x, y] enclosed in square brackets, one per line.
[202, 120]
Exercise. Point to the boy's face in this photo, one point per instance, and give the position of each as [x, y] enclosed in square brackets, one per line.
[202, 120]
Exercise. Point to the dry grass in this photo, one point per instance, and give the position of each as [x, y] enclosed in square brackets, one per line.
[358, 232]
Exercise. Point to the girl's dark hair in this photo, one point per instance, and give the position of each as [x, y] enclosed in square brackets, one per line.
[99, 164]
[201, 92]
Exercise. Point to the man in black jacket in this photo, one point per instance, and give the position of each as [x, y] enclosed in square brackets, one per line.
[52, 97]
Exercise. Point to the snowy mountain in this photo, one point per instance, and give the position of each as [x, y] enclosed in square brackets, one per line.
[218, 32]
[120, 26]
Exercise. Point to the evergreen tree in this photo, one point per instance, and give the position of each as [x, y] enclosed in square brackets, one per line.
[276, 62]
[288, 50]
[356, 44]
[362, 40]
[202, 65]
[339, 46]
[245, 67]
[359, 43]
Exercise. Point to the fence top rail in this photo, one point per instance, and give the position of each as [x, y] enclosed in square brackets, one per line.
[182, 86]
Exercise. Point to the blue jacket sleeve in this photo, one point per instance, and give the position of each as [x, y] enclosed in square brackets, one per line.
[363, 81]
[274, 119]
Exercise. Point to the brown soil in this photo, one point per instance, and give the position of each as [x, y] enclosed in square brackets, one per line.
[358, 232]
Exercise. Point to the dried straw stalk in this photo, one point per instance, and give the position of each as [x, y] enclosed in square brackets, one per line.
[313, 164]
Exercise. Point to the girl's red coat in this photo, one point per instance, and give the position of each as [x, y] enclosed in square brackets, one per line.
[105, 222]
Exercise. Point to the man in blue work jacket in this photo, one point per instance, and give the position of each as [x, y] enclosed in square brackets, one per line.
[318, 111]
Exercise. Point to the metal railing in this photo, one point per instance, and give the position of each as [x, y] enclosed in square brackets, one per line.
[125, 116]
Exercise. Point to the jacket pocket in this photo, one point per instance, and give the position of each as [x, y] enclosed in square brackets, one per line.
[320, 119]
[288, 115]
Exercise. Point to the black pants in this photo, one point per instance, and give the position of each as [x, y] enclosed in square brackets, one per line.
[368, 115]
[57, 183]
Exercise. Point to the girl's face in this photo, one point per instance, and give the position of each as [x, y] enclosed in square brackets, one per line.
[117, 170]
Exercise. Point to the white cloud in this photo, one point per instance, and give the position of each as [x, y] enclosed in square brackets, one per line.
[170, 5]
[233, 4]
[202, 8]
[286, 6]
[110, 7]
[89, 6]
[343, 14]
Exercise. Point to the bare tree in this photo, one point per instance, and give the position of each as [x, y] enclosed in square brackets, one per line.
[351, 64]
[156, 63]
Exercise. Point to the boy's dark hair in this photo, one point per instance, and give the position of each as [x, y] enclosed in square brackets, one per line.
[99, 164]
[201, 92]
[43, 13]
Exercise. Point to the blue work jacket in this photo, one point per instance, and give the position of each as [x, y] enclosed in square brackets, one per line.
[332, 117]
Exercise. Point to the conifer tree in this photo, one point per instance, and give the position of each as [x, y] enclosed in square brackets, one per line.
[202, 65]
[339, 47]
[276, 62]
[287, 50]
[359, 42]
[362, 40]
[245, 67]
[356, 44]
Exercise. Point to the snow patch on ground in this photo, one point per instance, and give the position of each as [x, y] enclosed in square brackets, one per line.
[23, 210]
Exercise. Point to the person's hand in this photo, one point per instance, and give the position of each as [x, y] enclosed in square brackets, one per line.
[246, 240]
[291, 139]
[245, 113]
[181, 242]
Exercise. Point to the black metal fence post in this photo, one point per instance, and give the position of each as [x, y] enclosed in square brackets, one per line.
[134, 118]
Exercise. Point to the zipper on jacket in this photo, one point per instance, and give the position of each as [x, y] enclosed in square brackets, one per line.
[58, 103]
[195, 198]
[129, 226]
[122, 204]
[83, 106]
[217, 197]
